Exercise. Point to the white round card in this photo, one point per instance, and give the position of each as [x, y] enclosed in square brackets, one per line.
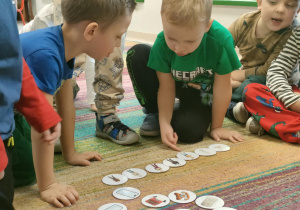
[113, 206]
[224, 208]
[209, 202]
[205, 152]
[174, 162]
[155, 200]
[187, 155]
[157, 168]
[114, 179]
[219, 147]
[134, 173]
[126, 193]
[182, 196]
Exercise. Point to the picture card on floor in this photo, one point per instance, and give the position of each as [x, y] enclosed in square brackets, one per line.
[182, 196]
[114, 179]
[155, 200]
[134, 173]
[157, 168]
[205, 152]
[113, 206]
[174, 162]
[209, 202]
[187, 155]
[126, 193]
[219, 147]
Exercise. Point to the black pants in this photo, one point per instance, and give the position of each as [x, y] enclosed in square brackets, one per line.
[6, 184]
[191, 120]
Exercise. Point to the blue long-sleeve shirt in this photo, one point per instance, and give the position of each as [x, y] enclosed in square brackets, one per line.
[10, 66]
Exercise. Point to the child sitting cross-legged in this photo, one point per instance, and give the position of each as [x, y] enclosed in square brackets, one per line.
[259, 36]
[275, 108]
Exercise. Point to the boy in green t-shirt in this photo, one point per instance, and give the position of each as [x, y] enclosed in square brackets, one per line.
[191, 59]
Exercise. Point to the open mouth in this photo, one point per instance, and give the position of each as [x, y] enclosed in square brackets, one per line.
[276, 20]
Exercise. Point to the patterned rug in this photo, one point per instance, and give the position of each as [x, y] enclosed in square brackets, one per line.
[259, 173]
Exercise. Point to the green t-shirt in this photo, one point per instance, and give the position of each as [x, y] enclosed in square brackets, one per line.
[215, 53]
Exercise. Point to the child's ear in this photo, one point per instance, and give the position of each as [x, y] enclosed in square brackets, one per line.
[258, 4]
[90, 31]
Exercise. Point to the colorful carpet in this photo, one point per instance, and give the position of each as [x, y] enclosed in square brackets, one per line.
[259, 173]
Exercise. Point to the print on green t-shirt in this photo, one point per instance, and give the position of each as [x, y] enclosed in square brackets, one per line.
[215, 54]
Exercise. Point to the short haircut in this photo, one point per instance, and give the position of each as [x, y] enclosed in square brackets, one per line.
[104, 12]
[187, 12]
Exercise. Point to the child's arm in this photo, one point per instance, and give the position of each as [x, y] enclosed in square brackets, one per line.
[282, 69]
[66, 109]
[51, 191]
[221, 98]
[3, 159]
[165, 100]
[45, 119]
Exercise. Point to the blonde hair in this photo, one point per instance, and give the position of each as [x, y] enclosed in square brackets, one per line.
[187, 12]
[104, 12]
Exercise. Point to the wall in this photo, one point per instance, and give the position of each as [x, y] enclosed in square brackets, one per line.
[146, 20]
[37, 5]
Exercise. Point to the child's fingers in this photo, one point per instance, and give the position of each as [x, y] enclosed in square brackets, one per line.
[56, 203]
[64, 200]
[216, 137]
[47, 136]
[172, 146]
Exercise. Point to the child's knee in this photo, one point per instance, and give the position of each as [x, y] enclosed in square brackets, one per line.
[188, 134]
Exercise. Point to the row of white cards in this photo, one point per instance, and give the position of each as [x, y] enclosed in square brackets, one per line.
[157, 200]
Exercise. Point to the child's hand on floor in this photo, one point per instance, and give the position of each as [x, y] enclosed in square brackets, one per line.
[60, 195]
[222, 133]
[83, 159]
[52, 134]
[169, 137]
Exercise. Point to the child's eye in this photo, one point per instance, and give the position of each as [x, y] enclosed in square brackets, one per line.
[272, 2]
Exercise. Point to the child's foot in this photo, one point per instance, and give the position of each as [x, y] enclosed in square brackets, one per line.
[110, 127]
[240, 113]
[150, 126]
[254, 127]
[93, 107]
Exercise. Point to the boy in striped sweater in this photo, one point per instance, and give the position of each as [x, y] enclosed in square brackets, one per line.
[259, 36]
[275, 108]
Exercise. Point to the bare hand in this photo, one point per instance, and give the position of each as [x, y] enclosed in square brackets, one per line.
[60, 195]
[52, 134]
[83, 159]
[221, 133]
[238, 75]
[169, 137]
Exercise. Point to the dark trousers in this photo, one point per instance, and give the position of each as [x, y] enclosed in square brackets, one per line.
[191, 120]
[7, 184]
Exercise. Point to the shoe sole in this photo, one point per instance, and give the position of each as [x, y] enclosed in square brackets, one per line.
[126, 142]
[238, 118]
[149, 133]
[260, 131]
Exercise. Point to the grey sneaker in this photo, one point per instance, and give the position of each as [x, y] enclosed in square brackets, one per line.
[110, 127]
[150, 126]
[240, 113]
[254, 127]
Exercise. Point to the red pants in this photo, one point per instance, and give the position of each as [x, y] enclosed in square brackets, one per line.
[271, 113]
